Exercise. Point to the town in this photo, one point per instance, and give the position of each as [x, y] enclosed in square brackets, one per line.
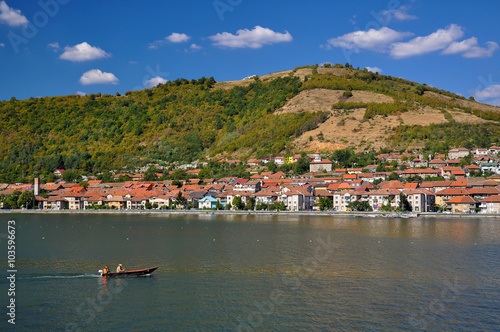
[407, 182]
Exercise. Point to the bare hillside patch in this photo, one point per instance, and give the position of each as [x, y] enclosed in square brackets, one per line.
[423, 117]
[323, 99]
[349, 128]
[467, 118]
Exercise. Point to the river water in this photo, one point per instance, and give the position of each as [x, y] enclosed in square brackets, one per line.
[253, 273]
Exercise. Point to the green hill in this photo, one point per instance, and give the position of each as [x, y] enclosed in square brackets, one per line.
[184, 120]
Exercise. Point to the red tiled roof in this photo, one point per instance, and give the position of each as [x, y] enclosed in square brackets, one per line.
[453, 192]
[461, 200]
[491, 199]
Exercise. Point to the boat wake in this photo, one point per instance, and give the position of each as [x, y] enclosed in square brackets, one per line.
[63, 276]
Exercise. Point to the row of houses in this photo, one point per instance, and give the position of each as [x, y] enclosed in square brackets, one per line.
[346, 187]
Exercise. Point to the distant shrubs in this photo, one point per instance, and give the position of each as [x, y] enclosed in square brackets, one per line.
[312, 123]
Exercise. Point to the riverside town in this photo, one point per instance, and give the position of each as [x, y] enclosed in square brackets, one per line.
[462, 181]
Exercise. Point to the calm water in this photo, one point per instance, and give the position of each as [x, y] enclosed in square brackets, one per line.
[255, 273]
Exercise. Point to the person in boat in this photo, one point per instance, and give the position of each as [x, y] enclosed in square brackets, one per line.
[120, 269]
[105, 270]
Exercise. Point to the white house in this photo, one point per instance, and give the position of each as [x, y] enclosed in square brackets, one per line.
[207, 202]
[458, 153]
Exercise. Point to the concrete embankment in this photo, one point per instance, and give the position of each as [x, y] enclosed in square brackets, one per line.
[295, 213]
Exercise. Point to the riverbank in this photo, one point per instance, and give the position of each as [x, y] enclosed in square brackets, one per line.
[297, 213]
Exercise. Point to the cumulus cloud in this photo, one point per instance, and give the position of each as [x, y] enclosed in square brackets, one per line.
[375, 40]
[493, 91]
[255, 38]
[195, 47]
[436, 41]
[174, 37]
[400, 14]
[10, 16]
[470, 49]
[2, 45]
[374, 69]
[178, 37]
[96, 76]
[81, 93]
[83, 52]
[155, 81]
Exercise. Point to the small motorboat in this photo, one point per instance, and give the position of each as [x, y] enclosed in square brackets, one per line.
[129, 273]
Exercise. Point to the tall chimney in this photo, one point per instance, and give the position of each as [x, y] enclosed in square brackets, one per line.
[36, 191]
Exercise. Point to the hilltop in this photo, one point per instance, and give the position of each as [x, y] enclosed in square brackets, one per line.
[304, 109]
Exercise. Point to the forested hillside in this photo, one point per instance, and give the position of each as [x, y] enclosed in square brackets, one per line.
[184, 120]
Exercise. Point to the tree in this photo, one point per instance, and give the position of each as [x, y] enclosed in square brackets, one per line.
[124, 178]
[262, 206]
[177, 183]
[70, 176]
[26, 199]
[325, 203]
[150, 174]
[180, 200]
[218, 205]
[272, 167]
[359, 206]
[179, 174]
[404, 205]
[342, 156]
[393, 177]
[302, 164]
[84, 184]
[238, 203]
[250, 204]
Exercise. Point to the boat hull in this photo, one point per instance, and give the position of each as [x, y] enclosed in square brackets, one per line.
[131, 273]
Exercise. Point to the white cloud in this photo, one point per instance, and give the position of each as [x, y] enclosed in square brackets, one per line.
[493, 91]
[195, 47]
[81, 93]
[255, 38]
[375, 40]
[178, 37]
[374, 69]
[400, 14]
[83, 52]
[95, 76]
[155, 45]
[2, 45]
[174, 37]
[10, 16]
[54, 46]
[470, 49]
[354, 20]
[155, 81]
[434, 42]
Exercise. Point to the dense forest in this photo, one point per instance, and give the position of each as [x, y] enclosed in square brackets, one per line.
[185, 120]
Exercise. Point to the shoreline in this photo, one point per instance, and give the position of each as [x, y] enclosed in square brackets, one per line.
[388, 215]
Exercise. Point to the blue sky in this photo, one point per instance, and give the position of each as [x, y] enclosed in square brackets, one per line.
[62, 47]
